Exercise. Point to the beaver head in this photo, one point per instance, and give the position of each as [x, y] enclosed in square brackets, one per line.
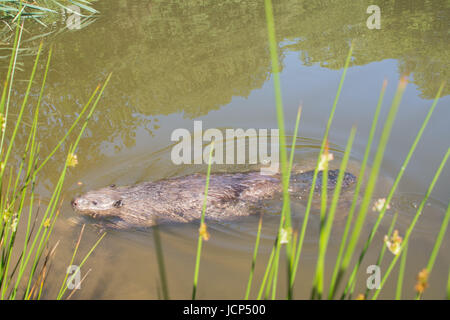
[105, 202]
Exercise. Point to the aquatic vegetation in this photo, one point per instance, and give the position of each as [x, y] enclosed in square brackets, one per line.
[202, 232]
[237, 74]
[24, 263]
[51, 17]
[41, 11]
[351, 236]
[326, 219]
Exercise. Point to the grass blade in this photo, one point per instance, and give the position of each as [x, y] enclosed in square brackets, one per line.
[311, 193]
[326, 230]
[255, 253]
[413, 223]
[401, 274]
[437, 244]
[202, 225]
[362, 171]
[161, 265]
[395, 185]
[360, 219]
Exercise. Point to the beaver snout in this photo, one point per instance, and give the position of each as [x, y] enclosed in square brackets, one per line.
[74, 203]
[79, 204]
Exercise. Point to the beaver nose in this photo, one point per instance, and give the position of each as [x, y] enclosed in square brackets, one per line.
[74, 203]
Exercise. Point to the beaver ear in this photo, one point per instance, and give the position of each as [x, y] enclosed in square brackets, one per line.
[118, 204]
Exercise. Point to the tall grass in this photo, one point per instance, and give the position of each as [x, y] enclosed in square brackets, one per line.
[354, 224]
[39, 9]
[353, 227]
[164, 288]
[437, 244]
[347, 249]
[255, 254]
[413, 223]
[286, 209]
[42, 17]
[325, 227]
[356, 193]
[396, 183]
[311, 194]
[203, 233]
[24, 266]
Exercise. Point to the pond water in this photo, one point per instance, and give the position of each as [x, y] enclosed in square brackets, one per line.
[174, 62]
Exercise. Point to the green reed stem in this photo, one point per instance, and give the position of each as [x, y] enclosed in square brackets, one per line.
[5, 160]
[34, 149]
[202, 221]
[35, 244]
[354, 238]
[55, 196]
[311, 193]
[83, 110]
[83, 262]
[161, 264]
[325, 231]
[448, 285]
[266, 273]
[439, 239]
[359, 182]
[381, 255]
[317, 286]
[291, 245]
[59, 144]
[255, 254]
[285, 218]
[31, 141]
[38, 237]
[437, 244]
[11, 69]
[395, 185]
[77, 245]
[275, 274]
[413, 223]
[270, 281]
[401, 274]
[6, 96]
[283, 227]
[25, 100]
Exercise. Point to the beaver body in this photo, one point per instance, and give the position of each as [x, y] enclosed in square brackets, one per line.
[230, 195]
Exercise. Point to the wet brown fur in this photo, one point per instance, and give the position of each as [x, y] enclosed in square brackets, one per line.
[230, 195]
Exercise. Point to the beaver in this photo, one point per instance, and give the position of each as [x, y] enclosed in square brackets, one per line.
[180, 199]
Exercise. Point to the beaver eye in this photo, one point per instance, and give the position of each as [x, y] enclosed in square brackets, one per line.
[94, 203]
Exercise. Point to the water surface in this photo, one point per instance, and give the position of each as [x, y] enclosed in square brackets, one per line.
[174, 62]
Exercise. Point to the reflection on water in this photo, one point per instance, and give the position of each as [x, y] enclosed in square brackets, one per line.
[175, 61]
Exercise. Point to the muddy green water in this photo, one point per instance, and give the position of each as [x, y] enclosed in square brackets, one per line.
[174, 62]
